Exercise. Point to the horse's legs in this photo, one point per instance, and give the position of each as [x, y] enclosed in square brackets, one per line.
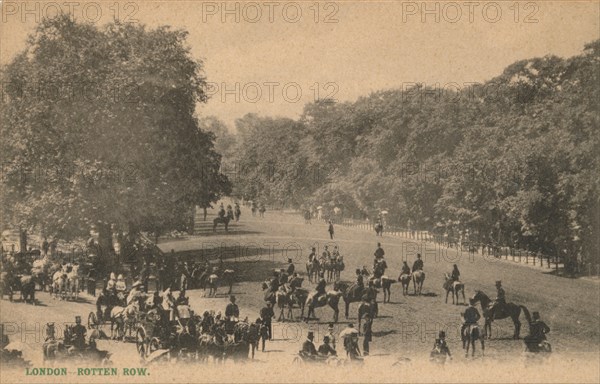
[447, 292]
[517, 327]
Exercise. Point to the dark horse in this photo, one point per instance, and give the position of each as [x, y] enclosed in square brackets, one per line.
[222, 220]
[498, 313]
[469, 336]
[350, 293]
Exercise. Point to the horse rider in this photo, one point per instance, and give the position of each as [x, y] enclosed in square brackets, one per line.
[79, 332]
[312, 255]
[335, 255]
[440, 347]
[320, 289]
[232, 311]
[120, 285]
[500, 296]
[295, 281]
[230, 211]
[359, 278]
[136, 293]
[370, 293]
[326, 349]
[283, 277]
[182, 299]
[379, 252]
[418, 264]
[537, 332]
[291, 267]
[110, 285]
[221, 211]
[405, 269]
[275, 282]
[365, 272]
[471, 316]
[308, 347]
[455, 275]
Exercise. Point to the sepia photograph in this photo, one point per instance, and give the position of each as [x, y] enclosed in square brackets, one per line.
[299, 191]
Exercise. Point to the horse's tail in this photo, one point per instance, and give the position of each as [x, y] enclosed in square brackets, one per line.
[527, 314]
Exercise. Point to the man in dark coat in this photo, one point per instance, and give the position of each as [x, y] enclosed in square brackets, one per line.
[308, 347]
[266, 315]
[368, 333]
[232, 310]
[418, 264]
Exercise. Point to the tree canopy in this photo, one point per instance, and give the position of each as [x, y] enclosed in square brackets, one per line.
[514, 161]
[98, 128]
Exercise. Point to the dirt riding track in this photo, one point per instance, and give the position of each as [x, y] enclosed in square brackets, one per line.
[406, 327]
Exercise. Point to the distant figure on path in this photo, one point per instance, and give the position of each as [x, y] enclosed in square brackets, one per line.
[330, 230]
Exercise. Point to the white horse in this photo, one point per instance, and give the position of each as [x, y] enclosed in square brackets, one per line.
[73, 278]
[59, 284]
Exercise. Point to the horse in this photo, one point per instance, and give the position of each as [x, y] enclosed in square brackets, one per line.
[405, 280]
[418, 279]
[469, 336]
[350, 294]
[331, 298]
[339, 267]
[221, 220]
[366, 308]
[27, 287]
[212, 283]
[378, 229]
[313, 269]
[73, 282]
[59, 284]
[123, 317]
[490, 314]
[379, 268]
[288, 298]
[455, 287]
[385, 284]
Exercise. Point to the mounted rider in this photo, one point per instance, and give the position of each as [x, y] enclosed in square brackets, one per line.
[295, 281]
[221, 211]
[379, 252]
[455, 274]
[405, 269]
[320, 290]
[359, 278]
[230, 211]
[418, 264]
[471, 316]
[500, 301]
[335, 255]
[312, 255]
[291, 267]
[370, 293]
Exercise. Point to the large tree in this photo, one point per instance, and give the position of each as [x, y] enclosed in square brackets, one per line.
[98, 129]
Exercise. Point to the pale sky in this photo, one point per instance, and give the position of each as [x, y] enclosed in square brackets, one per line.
[367, 46]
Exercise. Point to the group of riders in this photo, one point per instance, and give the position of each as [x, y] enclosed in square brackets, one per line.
[230, 212]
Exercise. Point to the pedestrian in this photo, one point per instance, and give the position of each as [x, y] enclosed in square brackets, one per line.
[266, 315]
[331, 230]
[91, 282]
[368, 333]
[45, 246]
[264, 334]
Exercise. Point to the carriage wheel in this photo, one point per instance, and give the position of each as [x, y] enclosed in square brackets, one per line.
[92, 321]
[154, 345]
[140, 342]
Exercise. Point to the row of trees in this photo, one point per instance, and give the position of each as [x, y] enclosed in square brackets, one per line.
[99, 130]
[514, 161]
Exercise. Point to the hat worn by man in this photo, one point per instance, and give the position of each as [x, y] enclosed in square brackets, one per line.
[289, 260]
[330, 326]
[232, 298]
[536, 315]
[498, 282]
[310, 335]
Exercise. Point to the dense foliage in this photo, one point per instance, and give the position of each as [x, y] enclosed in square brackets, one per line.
[98, 129]
[514, 161]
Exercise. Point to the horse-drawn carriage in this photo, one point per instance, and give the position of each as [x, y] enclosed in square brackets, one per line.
[72, 346]
[171, 333]
[112, 308]
[24, 284]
